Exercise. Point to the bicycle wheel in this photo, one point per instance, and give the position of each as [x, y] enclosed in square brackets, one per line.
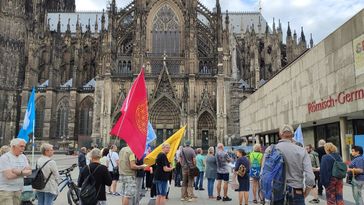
[73, 195]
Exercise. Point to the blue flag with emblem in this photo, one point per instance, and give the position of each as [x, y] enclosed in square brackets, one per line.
[151, 136]
[298, 136]
[29, 119]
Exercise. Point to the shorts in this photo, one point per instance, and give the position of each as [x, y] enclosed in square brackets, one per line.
[224, 176]
[161, 187]
[128, 186]
[114, 177]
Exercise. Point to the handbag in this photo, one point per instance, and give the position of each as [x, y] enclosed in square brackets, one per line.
[193, 170]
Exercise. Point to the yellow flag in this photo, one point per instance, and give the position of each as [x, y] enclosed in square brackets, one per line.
[173, 140]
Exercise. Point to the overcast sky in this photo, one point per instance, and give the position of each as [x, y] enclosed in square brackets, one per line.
[319, 17]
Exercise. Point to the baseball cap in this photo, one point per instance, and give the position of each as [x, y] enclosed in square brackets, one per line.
[286, 128]
[187, 142]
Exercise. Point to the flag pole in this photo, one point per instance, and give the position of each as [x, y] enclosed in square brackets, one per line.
[33, 137]
[33, 145]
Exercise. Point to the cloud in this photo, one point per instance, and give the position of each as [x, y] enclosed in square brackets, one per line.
[317, 17]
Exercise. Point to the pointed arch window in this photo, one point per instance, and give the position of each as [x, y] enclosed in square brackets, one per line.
[62, 119]
[85, 117]
[39, 114]
[166, 31]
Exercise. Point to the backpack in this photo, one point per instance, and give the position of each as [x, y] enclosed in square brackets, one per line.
[88, 193]
[241, 171]
[255, 167]
[338, 169]
[37, 178]
[273, 176]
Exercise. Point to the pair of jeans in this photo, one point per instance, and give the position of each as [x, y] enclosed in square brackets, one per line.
[357, 187]
[293, 197]
[45, 198]
[210, 186]
[199, 181]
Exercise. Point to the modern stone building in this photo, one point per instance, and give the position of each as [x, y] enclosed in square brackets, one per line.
[322, 90]
[200, 64]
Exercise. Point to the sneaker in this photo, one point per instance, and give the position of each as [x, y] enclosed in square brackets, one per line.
[183, 199]
[152, 198]
[226, 198]
[218, 198]
[116, 194]
[201, 189]
[190, 200]
[314, 201]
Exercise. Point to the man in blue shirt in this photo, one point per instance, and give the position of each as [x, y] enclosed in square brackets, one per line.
[356, 167]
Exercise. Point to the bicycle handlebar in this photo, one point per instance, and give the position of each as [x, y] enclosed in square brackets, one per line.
[68, 170]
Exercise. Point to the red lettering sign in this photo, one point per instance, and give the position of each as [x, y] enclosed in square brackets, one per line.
[341, 98]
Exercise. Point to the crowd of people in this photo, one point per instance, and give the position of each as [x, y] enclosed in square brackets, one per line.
[308, 171]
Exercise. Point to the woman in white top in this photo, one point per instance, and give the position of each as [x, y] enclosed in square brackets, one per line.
[113, 159]
[104, 153]
[45, 196]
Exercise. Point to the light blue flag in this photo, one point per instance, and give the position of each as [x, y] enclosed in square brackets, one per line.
[151, 136]
[298, 136]
[29, 119]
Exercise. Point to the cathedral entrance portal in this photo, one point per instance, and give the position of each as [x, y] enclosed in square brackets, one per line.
[165, 118]
[206, 130]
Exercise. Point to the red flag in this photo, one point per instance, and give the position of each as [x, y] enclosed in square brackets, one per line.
[132, 125]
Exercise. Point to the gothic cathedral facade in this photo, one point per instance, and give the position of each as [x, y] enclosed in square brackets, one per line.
[192, 57]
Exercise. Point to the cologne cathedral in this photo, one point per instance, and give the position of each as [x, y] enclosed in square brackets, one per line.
[200, 64]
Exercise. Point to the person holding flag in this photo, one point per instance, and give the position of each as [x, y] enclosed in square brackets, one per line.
[162, 174]
[14, 166]
[127, 170]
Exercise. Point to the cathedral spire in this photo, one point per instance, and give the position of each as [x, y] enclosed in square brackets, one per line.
[311, 41]
[78, 26]
[96, 24]
[303, 38]
[279, 26]
[89, 25]
[103, 21]
[289, 33]
[68, 26]
[59, 24]
[295, 36]
[113, 6]
[218, 7]
[274, 27]
[227, 21]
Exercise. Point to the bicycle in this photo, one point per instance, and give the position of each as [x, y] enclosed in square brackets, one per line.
[73, 193]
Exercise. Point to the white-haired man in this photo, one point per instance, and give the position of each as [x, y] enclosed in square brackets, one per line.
[14, 166]
[222, 161]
